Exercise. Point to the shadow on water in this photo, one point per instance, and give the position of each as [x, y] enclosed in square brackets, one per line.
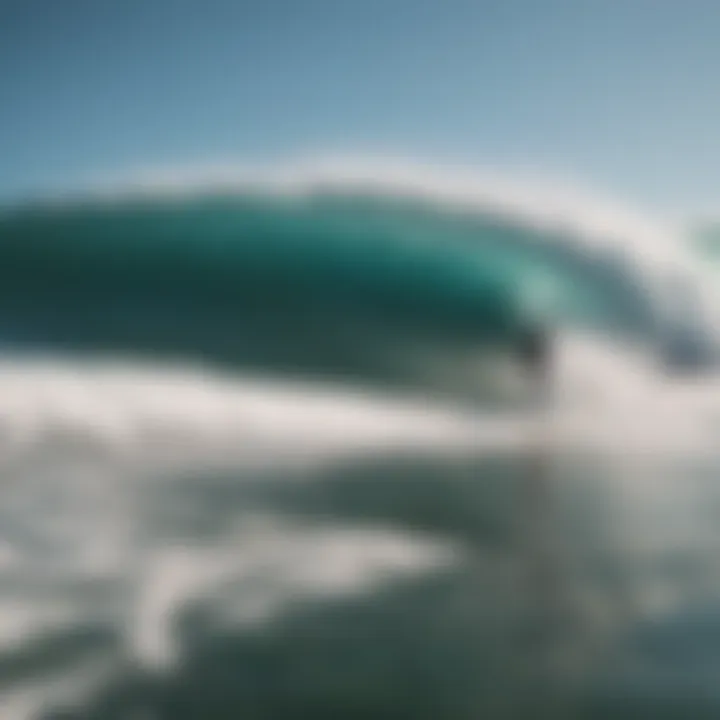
[415, 650]
[49, 651]
[467, 499]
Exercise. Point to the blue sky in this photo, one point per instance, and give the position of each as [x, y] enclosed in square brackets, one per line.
[624, 94]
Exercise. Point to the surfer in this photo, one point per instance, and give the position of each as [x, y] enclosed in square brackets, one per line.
[534, 349]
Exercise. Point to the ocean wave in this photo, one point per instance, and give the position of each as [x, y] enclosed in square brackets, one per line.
[388, 272]
[187, 338]
[355, 274]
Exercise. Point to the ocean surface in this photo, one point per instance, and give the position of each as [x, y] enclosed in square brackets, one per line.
[269, 450]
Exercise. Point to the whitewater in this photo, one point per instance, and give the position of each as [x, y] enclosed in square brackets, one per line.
[187, 475]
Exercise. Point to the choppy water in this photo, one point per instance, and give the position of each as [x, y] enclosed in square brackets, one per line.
[304, 477]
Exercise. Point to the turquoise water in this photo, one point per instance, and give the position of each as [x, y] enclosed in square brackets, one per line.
[249, 280]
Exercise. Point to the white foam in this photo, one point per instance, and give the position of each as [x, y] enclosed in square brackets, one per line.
[268, 566]
[136, 415]
[141, 413]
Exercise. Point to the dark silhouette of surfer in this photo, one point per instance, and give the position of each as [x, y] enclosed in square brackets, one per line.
[534, 348]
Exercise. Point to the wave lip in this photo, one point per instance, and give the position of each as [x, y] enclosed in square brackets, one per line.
[534, 201]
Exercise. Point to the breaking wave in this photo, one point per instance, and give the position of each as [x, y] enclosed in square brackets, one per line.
[232, 396]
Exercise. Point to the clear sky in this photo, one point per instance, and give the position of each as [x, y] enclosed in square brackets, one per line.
[624, 94]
